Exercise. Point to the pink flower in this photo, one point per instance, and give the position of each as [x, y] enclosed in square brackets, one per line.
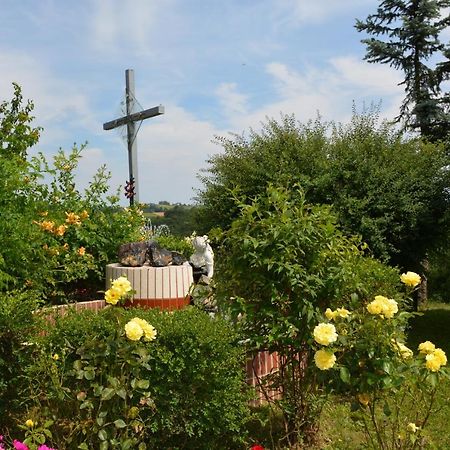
[2, 447]
[19, 445]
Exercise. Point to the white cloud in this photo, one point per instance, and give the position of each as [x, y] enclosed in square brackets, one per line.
[330, 92]
[116, 24]
[301, 12]
[231, 100]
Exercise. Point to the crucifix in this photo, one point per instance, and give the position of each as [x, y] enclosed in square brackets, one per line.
[130, 120]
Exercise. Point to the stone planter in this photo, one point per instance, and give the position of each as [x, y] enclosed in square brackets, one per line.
[156, 287]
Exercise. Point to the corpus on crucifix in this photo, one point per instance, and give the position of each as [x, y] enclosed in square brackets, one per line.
[130, 119]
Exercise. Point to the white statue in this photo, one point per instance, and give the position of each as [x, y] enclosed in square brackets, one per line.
[203, 255]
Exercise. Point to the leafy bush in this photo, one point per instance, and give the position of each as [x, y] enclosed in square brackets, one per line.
[279, 265]
[387, 187]
[17, 327]
[177, 244]
[105, 388]
[52, 235]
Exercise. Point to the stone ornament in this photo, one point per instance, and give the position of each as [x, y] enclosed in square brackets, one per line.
[203, 256]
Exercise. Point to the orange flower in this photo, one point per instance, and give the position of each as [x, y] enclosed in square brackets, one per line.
[66, 246]
[59, 231]
[73, 219]
[84, 214]
[43, 213]
[47, 225]
[81, 251]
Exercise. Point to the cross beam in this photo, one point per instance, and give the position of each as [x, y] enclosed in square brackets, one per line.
[129, 120]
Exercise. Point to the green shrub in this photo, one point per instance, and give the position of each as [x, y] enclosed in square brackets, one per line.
[17, 327]
[177, 244]
[185, 389]
[278, 265]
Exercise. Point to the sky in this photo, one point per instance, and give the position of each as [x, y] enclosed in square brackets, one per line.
[218, 67]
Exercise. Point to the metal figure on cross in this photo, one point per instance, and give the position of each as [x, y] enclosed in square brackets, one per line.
[130, 119]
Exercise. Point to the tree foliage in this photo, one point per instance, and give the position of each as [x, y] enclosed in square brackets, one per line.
[412, 31]
[384, 186]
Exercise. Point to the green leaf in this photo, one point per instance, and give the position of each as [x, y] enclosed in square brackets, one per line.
[344, 374]
[387, 410]
[107, 394]
[83, 446]
[119, 423]
[143, 384]
[102, 435]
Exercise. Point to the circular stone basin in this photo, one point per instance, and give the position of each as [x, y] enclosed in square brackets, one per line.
[156, 287]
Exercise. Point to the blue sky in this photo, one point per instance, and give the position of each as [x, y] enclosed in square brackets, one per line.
[216, 66]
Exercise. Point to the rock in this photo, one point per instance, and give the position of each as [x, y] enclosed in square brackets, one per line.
[133, 254]
[178, 259]
[158, 256]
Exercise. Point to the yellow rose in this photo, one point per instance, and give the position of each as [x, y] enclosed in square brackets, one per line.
[55, 356]
[330, 315]
[122, 284]
[410, 279]
[342, 312]
[432, 362]
[440, 355]
[325, 333]
[112, 296]
[324, 359]
[149, 330]
[29, 423]
[383, 306]
[133, 331]
[412, 427]
[426, 347]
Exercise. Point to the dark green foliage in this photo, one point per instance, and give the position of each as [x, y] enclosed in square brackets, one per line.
[385, 187]
[185, 389]
[17, 327]
[412, 37]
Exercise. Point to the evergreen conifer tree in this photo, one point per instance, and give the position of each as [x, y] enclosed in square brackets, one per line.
[411, 30]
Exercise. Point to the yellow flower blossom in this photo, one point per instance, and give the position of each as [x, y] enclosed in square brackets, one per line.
[55, 356]
[426, 347]
[342, 312]
[84, 214]
[133, 330]
[324, 359]
[43, 213]
[325, 333]
[330, 315]
[149, 330]
[435, 360]
[122, 284]
[403, 350]
[383, 306]
[411, 279]
[73, 219]
[112, 296]
[81, 251]
[29, 423]
[412, 427]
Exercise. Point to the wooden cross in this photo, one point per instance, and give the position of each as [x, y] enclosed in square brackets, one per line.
[130, 120]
